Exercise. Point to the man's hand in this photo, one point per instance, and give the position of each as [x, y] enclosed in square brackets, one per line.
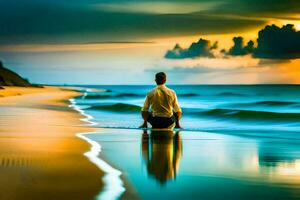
[178, 116]
[145, 115]
[177, 125]
[144, 125]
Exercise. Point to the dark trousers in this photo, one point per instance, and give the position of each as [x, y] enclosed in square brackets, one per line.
[162, 122]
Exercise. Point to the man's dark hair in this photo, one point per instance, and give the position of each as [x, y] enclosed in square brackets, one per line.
[160, 78]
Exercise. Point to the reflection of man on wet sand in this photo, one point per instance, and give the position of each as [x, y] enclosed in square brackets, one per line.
[162, 154]
[163, 102]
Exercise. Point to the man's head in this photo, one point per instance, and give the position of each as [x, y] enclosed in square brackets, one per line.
[160, 78]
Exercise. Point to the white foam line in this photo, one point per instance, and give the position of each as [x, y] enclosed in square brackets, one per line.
[113, 185]
[88, 118]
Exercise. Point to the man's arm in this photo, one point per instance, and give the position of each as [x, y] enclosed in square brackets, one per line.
[145, 115]
[177, 111]
[145, 112]
[178, 116]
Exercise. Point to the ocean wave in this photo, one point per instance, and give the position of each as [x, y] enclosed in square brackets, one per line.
[269, 103]
[105, 96]
[118, 107]
[218, 113]
[111, 94]
[249, 115]
[188, 95]
[229, 94]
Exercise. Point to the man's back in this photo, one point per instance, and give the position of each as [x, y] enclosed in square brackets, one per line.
[165, 108]
[163, 102]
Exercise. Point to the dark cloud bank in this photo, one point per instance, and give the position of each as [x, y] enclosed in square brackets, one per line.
[54, 21]
[239, 49]
[273, 42]
[65, 21]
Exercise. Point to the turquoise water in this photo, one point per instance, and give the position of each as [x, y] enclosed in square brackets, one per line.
[238, 142]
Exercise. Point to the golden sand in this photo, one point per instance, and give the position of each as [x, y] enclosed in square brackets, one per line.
[40, 156]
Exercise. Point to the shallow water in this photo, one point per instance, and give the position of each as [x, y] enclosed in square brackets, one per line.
[200, 165]
[239, 142]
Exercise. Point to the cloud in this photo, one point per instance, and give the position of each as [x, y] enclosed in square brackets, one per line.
[202, 48]
[53, 21]
[268, 62]
[239, 49]
[278, 43]
[187, 70]
[158, 7]
[81, 21]
[202, 69]
[205, 65]
[258, 9]
[198, 69]
[183, 74]
[273, 42]
[90, 46]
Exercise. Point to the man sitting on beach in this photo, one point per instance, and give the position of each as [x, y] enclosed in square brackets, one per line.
[163, 102]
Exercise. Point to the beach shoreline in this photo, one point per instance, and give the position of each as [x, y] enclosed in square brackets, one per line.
[113, 184]
[41, 155]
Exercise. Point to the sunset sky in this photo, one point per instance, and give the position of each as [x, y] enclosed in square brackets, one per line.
[126, 41]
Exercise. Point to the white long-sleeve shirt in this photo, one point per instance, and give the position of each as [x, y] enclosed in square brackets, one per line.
[163, 102]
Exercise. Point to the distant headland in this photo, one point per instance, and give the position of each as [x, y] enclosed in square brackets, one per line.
[10, 78]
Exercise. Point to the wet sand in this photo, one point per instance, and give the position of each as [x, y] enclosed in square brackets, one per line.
[40, 155]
